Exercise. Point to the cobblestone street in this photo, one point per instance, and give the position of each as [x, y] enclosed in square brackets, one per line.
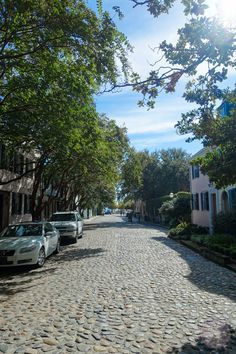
[123, 288]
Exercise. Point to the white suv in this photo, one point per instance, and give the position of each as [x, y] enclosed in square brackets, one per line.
[69, 223]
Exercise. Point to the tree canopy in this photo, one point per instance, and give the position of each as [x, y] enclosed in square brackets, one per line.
[205, 45]
[54, 56]
[151, 176]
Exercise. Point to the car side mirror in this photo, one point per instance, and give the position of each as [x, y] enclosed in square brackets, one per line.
[49, 233]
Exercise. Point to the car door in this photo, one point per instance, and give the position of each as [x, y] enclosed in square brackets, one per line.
[51, 237]
[80, 224]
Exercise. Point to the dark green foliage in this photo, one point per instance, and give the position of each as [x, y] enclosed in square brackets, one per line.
[54, 56]
[145, 176]
[207, 42]
[187, 229]
[225, 223]
[220, 163]
[225, 244]
[177, 209]
[182, 229]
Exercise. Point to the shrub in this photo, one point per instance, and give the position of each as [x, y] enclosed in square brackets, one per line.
[223, 240]
[233, 252]
[225, 223]
[181, 229]
[200, 239]
[177, 210]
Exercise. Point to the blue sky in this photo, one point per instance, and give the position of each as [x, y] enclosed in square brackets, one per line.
[153, 129]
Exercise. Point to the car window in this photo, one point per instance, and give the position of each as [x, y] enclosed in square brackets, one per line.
[48, 227]
[22, 230]
[63, 217]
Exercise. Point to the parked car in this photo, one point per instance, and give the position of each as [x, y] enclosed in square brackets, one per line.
[70, 224]
[28, 243]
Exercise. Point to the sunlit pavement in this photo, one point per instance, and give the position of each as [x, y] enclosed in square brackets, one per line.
[123, 288]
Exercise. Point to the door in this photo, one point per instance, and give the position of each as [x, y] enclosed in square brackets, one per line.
[1, 212]
[213, 203]
[4, 209]
[51, 238]
[80, 224]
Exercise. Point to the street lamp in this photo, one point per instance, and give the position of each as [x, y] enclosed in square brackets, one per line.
[171, 195]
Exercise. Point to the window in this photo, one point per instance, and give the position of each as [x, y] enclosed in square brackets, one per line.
[2, 156]
[16, 204]
[232, 199]
[195, 201]
[63, 217]
[195, 171]
[18, 163]
[48, 227]
[27, 204]
[205, 201]
[29, 166]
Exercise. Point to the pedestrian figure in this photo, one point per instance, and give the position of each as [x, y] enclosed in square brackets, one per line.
[130, 216]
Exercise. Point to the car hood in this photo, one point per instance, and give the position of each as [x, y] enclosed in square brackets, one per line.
[17, 242]
[64, 223]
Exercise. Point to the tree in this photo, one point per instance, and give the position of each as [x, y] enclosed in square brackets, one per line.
[132, 172]
[149, 177]
[177, 209]
[166, 173]
[219, 162]
[85, 171]
[54, 56]
[202, 40]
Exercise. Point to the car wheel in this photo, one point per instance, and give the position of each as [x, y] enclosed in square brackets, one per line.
[74, 239]
[57, 250]
[41, 257]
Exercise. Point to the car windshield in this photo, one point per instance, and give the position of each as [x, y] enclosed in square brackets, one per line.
[63, 217]
[22, 230]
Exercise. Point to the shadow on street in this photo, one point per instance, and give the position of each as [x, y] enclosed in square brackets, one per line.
[222, 342]
[125, 224]
[204, 277]
[15, 280]
[76, 254]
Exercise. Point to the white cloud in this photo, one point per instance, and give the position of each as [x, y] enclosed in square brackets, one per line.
[157, 142]
[162, 118]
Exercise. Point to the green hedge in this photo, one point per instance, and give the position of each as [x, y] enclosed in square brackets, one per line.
[225, 223]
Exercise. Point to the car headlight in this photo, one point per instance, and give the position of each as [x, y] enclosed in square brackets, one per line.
[28, 249]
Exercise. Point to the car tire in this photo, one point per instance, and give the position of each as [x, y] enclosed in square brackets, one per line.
[74, 239]
[57, 250]
[41, 258]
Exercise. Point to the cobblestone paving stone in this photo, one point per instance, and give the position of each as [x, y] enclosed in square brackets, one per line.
[123, 288]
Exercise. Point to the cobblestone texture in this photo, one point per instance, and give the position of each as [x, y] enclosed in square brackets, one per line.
[123, 288]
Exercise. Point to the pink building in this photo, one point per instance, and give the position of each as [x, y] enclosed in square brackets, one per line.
[207, 201]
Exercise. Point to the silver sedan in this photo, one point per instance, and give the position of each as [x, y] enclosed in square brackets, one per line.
[28, 244]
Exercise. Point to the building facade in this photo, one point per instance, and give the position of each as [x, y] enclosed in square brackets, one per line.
[15, 197]
[206, 200]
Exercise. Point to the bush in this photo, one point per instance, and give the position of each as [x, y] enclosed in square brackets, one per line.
[200, 239]
[177, 210]
[225, 223]
[222, 240]
[181, 229]
[233, 252]
[185, 228]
